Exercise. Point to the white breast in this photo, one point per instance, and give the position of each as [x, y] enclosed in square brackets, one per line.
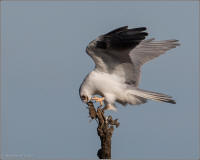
[104, 83]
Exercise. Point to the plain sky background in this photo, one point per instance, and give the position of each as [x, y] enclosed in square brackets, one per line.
[44, 62]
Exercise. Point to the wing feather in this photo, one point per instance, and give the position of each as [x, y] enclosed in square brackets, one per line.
[150, 49]
[123, 51]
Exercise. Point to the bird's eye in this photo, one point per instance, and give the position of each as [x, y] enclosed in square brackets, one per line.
[83, 97]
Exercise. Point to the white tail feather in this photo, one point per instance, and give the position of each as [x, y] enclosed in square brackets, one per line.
[152, 95]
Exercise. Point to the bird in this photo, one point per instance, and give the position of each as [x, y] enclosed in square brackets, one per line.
[118, 56]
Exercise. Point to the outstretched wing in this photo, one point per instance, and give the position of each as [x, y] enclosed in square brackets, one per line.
[123, 51]
[148, 50]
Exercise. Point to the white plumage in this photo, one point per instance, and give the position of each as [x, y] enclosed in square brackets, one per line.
[118, 57]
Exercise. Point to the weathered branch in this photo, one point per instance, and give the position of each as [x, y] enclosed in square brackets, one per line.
[104, 130]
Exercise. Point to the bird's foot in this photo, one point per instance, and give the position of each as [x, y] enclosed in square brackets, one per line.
[98, 99]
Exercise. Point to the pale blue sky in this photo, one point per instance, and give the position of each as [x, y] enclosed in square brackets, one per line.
[44, 63]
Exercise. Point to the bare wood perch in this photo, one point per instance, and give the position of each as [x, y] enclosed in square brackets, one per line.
[104, 130]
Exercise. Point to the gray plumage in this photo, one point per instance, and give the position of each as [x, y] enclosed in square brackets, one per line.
[118, 57]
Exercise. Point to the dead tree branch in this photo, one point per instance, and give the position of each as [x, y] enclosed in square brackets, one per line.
[104, 130]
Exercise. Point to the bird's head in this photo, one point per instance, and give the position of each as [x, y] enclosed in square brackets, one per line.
[84, 96]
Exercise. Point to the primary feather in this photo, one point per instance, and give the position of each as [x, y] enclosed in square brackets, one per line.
[118, 57]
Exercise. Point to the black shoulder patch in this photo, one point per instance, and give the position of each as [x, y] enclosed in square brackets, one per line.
[101, 44]
[122, 38]
[117, 30]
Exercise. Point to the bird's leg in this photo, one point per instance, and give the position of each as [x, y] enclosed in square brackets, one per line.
[98, 99]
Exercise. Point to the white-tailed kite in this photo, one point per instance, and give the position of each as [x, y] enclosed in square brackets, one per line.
[118, 57]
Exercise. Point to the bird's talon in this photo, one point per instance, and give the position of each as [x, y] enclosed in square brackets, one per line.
[98, 99]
